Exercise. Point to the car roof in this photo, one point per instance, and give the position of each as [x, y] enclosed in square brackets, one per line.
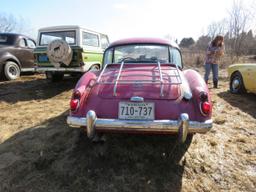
[15, 35]
[143, 41]
[65, 27]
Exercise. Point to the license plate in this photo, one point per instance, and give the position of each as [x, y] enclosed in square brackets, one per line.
[136, 111]
[42, 58]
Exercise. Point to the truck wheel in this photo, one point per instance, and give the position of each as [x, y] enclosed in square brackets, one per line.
[54, 76]
[94, 68]
[11, 70]
[236, 83]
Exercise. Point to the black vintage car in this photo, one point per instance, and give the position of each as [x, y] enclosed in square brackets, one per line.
[16, 55]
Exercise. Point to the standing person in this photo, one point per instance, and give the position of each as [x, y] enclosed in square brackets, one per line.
[214, 51]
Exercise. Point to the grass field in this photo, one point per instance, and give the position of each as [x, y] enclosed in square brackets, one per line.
[39, 152]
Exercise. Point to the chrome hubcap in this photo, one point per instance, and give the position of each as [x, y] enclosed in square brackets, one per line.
[235, 84]
[13, 71]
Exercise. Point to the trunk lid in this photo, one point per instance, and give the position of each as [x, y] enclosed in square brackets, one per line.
[142, 80]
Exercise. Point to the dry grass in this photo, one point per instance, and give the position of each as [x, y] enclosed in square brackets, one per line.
[196, 58]
[39, 152]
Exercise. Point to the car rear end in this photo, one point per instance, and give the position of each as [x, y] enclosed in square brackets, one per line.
[46, 36]
[68, 49]
[119, 102]
[142, 89]
[44, 64]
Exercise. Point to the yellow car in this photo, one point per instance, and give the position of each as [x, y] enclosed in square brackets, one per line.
[242, 78]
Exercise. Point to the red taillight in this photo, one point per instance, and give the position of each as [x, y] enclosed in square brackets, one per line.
[206, 107]
[75, 101]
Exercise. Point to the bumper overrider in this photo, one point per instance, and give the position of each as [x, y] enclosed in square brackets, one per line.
[182, 126]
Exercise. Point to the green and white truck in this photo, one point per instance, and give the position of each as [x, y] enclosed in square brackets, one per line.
[68, 50]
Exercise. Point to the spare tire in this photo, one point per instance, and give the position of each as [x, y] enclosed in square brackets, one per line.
[59, 52]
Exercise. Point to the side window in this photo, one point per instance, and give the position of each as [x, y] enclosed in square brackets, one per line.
[175, 57]
[104, 41]
[90, 39]
[31, 44]
[22, 43]
[108, 56]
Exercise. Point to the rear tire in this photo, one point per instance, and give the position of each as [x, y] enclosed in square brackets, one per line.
[54, 76]
[236, 84]
[11, 70]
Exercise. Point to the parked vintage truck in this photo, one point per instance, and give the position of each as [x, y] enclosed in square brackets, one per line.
[68, 50]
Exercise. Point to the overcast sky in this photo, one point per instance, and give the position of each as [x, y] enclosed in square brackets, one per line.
[123, 18]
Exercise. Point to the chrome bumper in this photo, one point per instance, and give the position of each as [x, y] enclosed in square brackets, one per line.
[32, 69]
[62, 69]
[183, 124]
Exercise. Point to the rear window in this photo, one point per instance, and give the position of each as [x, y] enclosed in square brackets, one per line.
[4, 40]
[7, 39]
[143, 53]
[140, 53]
[68, 36]
[175, 57]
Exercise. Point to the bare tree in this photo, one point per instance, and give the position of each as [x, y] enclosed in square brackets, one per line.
[217, 28]
[9, 23]
[239, 22]
[203, 42]
[187, 42]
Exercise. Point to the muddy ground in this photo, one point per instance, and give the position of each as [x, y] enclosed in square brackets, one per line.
[39, 152]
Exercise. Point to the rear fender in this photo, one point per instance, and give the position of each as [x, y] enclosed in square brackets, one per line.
[6, 56]
[88, 78]
[195, 80]
[84, 86]
[197, 86]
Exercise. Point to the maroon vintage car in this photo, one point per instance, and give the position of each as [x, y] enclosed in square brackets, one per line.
[142, 89]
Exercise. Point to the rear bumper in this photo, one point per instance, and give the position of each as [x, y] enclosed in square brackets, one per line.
[162, 126]
[31, 69]
[61, 69]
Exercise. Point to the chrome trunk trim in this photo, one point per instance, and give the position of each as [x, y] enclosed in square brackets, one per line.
[156, 79]
[118, 77]
[161, 79]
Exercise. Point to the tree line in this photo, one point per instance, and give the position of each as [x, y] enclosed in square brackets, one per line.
[10, 23]
[237, 30]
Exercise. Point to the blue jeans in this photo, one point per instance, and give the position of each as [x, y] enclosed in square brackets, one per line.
[215, 71]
